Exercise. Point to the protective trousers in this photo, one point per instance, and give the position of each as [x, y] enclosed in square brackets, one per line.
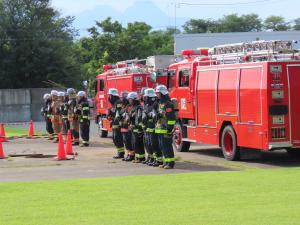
[127, 140]
[138, 145]
[65, 126]
[148, 144]
[118, 139]
[157, 154]
[85, 131]
[56, 124]
[74, 126]
[49, 127]
[165, 144]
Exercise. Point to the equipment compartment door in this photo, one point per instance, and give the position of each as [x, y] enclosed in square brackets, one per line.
[294, 109]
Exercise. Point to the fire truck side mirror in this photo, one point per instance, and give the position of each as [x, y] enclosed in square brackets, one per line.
[153, 76]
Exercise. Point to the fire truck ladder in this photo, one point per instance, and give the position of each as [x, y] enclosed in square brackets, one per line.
[274, 50]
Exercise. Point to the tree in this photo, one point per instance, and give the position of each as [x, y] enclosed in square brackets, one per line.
[276, 23]
[36, 45]
[243, 23]
[110, 43]
[199, 26]
[297, 24]
[228, 23]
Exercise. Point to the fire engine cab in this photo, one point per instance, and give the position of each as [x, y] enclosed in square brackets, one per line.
[242, 95]
[129, 75]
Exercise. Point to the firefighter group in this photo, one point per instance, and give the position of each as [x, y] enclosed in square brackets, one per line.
[65, 111]
[142, 126]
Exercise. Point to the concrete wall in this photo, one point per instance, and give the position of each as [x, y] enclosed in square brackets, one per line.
[194, 41]
[21, 105]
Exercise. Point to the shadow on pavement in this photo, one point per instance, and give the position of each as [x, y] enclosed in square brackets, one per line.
[194, 167]
[278, 158]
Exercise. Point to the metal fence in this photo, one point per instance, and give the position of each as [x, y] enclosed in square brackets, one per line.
[21, 105]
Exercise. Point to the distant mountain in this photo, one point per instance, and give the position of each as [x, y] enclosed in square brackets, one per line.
[147, 12]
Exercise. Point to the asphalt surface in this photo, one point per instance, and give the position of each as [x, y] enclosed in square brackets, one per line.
[33, 160]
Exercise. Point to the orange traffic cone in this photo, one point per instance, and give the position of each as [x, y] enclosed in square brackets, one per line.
[31, 130]
[69, 148]
[61, 153]
[2, 133]
[2, 156]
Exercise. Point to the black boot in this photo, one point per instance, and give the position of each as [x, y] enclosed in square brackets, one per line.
[147, 160]
[129, 158]
[150, 162]
[169, 165]
[157, 163]
[138, 160]
[120, 155]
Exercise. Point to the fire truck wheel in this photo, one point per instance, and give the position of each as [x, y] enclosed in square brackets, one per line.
[102, 133]
[178, 144]
[229, 144]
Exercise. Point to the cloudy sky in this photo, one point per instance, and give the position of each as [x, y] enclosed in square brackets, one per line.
[211, 8]
[161, 13]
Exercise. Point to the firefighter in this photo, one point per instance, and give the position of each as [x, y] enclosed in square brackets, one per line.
[64, 108]
[61, 99]
[166, 120]
[135, 125]
[115, 117]
[73, 117]
[83, 111]
[124, 123]
[151, 140]
[55, 118]
[46, 112]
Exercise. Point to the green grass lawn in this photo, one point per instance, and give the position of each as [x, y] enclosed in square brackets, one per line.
[258, 197]
[17, 131]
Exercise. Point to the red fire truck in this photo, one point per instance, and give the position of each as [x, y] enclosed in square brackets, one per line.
[236, 96]
[128, 75]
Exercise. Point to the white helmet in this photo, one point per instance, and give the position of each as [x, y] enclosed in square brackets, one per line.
[150, 92]
[124, 94]
[113, 92]
[71, 91]
[61, 94]
[46, 96]
[143, 91]
[54, 93]
[162, 89]
[81, 94]
[132, 95]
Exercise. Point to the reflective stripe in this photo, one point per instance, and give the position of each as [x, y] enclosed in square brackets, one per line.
[150, 130]
[137, 131]
[85, 142]
[65, 117]
[120, 149]
[140, 156]
[169, 159]
[171, 122]
[124, 130]
[115, 126]
[159, 159]
[85, 108]
[161, 131]
[85, 117]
